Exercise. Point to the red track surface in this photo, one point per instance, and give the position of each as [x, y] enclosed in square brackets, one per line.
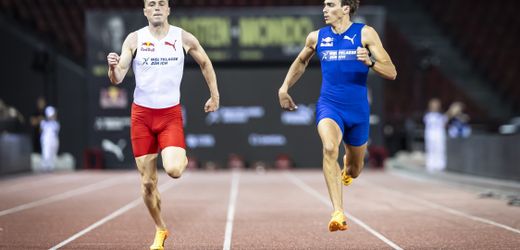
[276, 210]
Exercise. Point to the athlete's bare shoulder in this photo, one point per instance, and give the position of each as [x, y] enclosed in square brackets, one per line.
[368, 33]
[189, 41]
[131, 41]
[367, 29]
[188, 38]
[313, 36]
[312, 39]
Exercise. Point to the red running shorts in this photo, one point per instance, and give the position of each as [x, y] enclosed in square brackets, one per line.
[154, 129]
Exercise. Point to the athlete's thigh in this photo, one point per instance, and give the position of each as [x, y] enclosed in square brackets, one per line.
[170, 130]
[330, 132]
[358, 126]
[143, 139]
[329, 123]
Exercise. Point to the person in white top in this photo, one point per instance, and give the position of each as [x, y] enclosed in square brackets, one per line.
[157, 51]
[435, 136]
[50, 142]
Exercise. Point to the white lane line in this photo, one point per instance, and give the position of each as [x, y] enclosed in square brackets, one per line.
[327, 202]
[110, 217]
[24, 185]
[231, 210]
[66, 195]
[444, 208]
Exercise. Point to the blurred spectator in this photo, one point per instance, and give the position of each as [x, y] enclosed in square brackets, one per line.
[50, 128]
[458, 121]
[36, 118]
[11, 120]
[435, 136]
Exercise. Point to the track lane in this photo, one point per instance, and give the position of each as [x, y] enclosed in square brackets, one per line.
[194, 210]
[273, 213]
[412, 224]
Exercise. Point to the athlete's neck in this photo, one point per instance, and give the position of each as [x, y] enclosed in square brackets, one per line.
[341, 25]
[159, 31]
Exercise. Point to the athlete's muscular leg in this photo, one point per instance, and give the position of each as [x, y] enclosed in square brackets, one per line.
[174, 161]
[147, 166]
[354, 159]
[330, 135]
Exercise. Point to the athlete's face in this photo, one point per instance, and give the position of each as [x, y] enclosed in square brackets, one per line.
[157, 11]
[333, 11]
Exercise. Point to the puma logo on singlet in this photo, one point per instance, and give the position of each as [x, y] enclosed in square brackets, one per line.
[350, 39]
[171, 44]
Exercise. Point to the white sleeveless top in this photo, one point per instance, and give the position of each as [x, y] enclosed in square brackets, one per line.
[158, 68]
[50, 129]
[435, 124]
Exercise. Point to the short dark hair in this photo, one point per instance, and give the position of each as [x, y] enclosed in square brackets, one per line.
[353, 4]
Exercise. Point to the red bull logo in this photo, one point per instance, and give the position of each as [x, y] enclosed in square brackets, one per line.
[148, 44]
[147, 47]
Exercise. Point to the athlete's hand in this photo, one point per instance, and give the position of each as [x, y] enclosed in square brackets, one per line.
[113, 60]
[286, 102]
[363, 56]
[212, 104]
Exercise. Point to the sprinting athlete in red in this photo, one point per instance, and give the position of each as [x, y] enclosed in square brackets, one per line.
[156, 53]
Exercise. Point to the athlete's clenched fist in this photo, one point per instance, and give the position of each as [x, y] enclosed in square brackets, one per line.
[364, 56]
[113, 59]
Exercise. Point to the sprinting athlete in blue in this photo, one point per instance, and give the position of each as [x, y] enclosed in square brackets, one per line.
[342, 113]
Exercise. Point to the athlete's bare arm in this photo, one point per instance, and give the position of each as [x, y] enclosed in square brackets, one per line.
[193, 47]
[296, 71]
[118, 65]
[383, 64]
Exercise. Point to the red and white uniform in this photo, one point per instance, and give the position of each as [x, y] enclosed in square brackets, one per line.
[156, 120]
[158, 67]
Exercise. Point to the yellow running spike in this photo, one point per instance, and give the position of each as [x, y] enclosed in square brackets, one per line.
[345, 178]
[158, 242]
[338, 222]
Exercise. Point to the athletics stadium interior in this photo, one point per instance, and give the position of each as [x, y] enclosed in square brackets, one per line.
[457, 51]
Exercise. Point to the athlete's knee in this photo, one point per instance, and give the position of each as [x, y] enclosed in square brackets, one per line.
[148, 186]
[330, 149]
[355, 174]
[175, 169]
[355, 169]
[174, 173]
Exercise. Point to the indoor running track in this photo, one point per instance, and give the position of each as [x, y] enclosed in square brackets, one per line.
[249, 210]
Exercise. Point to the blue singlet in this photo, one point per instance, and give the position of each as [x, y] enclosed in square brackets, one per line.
[343, 95]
